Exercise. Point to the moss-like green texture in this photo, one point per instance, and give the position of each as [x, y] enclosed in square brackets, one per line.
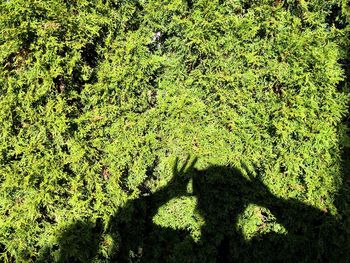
[98, 99]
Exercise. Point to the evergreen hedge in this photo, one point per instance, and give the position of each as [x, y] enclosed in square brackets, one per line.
[99, 98]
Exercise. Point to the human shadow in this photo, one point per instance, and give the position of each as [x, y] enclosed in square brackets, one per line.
[222, 193]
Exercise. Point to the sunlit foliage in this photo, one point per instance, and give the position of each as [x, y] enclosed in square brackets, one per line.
[99, 97]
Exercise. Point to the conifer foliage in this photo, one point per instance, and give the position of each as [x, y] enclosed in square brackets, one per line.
[99, 97]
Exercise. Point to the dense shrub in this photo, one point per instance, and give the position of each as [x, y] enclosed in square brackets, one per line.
[99, 98]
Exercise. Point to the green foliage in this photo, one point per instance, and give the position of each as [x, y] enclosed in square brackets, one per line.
[97, 98]
[258, 220]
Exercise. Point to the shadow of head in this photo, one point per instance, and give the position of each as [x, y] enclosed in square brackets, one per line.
[222, 192]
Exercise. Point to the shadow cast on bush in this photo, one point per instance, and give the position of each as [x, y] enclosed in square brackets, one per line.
[222, 193]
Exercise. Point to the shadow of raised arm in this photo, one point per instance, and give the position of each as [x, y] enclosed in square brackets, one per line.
[308, 228]
[176, 187]
[134, 221]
